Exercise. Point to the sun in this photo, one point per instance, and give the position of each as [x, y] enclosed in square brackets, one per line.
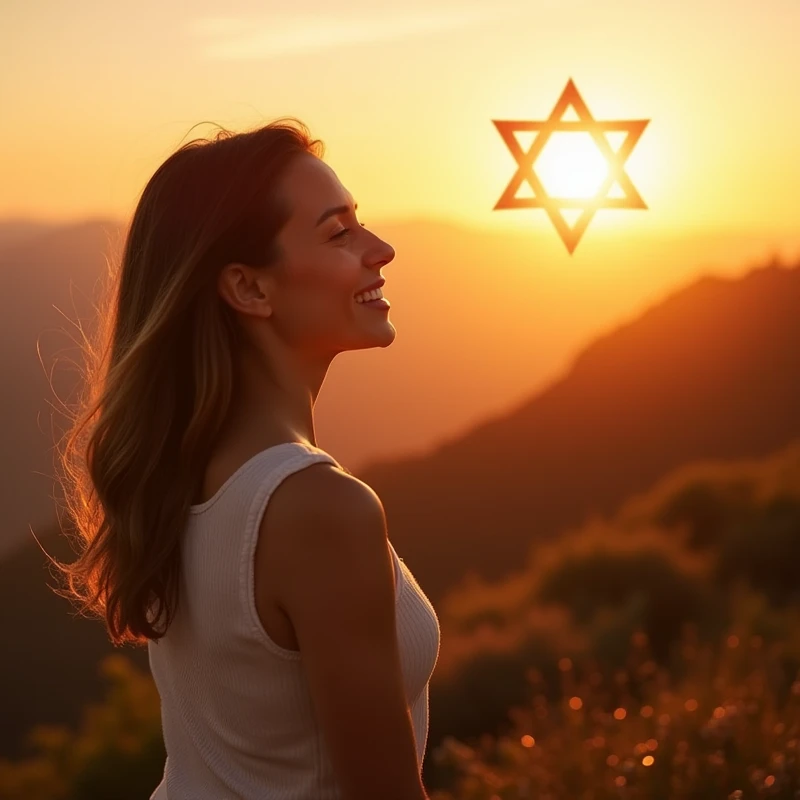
[571, 166]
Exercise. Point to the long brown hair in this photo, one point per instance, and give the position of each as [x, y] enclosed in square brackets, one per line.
[159, 374]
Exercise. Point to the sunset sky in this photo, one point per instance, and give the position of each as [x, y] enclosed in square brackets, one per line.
[489, 306]
[95, 95]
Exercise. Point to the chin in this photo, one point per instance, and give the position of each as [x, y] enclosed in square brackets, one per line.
[380, 336]
[389, 336]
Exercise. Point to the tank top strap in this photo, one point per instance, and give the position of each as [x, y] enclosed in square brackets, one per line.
[272, 470]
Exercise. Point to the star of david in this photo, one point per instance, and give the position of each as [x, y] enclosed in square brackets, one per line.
[587, 123]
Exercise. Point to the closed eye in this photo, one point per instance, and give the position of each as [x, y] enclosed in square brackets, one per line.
[346, 230]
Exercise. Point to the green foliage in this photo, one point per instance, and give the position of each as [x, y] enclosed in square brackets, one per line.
[478, 697]
[707, 508]
[763, 549]
[643, 584]
[117, 753]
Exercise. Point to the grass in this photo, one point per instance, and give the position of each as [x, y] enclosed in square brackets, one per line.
[729, 729]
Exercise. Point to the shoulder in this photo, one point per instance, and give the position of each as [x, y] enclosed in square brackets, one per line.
[333, 579]
[323, 491]
[323, 524]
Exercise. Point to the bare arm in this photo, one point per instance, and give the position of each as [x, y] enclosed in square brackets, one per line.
[339, 594]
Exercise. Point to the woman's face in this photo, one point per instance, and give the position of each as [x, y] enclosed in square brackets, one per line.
[329, 257]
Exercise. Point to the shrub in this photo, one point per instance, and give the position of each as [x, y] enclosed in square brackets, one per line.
[639, 581]
[118, 751]
[729, 729]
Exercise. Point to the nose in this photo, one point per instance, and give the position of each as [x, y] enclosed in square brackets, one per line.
[383, 253]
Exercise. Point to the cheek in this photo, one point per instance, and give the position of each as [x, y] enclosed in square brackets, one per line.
[326, 287]
[339, 284]
[325, 306]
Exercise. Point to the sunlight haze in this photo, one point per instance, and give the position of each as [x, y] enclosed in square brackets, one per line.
[96, 95]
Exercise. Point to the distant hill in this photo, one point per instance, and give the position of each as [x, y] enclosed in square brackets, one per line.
[711, 372]
[15, 232]
[45, 277]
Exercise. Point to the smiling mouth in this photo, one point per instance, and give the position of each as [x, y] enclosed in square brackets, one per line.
[369, 297]
[380, 303]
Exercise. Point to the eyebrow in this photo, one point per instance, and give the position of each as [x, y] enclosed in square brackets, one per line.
[331, 211]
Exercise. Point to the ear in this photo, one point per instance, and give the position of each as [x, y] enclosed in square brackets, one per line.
[247, 289]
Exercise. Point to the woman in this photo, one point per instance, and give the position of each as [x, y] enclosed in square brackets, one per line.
[291, 647]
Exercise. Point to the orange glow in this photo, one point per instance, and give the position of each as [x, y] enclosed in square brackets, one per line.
[571, 166]
[588, 182]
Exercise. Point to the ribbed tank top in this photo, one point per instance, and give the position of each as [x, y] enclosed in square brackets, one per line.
[236, 712]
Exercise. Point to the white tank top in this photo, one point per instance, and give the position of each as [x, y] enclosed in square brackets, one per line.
[236, 713]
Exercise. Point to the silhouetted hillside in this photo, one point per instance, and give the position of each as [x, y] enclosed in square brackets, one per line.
[710, 372]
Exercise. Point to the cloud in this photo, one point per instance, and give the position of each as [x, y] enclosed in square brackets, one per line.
[237, 38]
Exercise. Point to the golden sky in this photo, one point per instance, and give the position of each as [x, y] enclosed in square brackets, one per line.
[94, 95]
